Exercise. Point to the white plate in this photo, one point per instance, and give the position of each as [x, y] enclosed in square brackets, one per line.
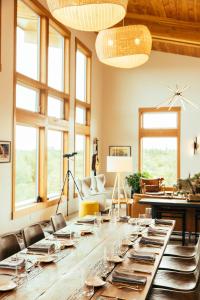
[95, 281]
[6, 284]
[67, 243]
[115, 259]
[46, 259]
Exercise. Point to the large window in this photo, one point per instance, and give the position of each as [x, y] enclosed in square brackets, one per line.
[41, 108]
[28, 37]
[81, 75]
[26, 165]
[80, 167]
[27, 98]
[55, 163]
[82, 110]
[56, 60]
[159, 141]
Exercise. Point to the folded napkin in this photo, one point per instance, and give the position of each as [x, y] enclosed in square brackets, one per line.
[124, 219]
[63, 234]
[163, 222]
[42, 247]
[125, 277]
[151, 241]
[153, 231]
[12, 264]
[86, 220]
[142, 256]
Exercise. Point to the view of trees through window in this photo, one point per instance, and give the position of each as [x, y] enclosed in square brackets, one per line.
[55, 169]
[26, 164]
[159, 158]
[80, 158]
[159, 135]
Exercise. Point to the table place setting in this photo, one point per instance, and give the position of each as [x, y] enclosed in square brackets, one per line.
[123, 278]
[43, 247]
[151, 242]
[85, 220]
[156, 231]
[7, 283]
[142, 257]
[163, 222]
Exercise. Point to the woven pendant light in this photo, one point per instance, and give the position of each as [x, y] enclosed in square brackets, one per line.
[124, 47]
[88, 15]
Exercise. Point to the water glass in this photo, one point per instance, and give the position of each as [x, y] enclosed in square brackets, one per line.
[97, 220]
[148, 213]
[113, 215]
[87, 276]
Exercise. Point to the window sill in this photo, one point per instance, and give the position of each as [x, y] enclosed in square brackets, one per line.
[26, 210]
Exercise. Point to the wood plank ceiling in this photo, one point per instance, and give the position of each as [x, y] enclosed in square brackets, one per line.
[174, 24]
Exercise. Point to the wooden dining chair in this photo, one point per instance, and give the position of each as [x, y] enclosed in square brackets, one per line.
[9, 245]
[181, 264]
[182, 251]
[165, 294]
[32, 234]
[58, 222]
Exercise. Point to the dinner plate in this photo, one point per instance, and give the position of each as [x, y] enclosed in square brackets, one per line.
[46, 258]
[115, 259]
[6, 284]
[95, 281]
[67, 243]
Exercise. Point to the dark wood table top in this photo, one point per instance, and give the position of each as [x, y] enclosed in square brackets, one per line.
[170, 202]
[58, 281]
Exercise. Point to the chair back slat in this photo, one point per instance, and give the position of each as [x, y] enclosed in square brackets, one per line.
[9, 245]
[32, 234]
[58, 222]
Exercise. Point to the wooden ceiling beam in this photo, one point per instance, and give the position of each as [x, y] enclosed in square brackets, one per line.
[163, 21]
[170, 35]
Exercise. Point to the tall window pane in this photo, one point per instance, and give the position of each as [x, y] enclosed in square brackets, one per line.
[27, 98]
[81, 75]
[28, 36]
[26, 165]
[55, 107]
[159, 158]
[55, 163]
[80, 158]
[80, 115]
[56, 60]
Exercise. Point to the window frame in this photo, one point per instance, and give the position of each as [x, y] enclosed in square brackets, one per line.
[40, 119]
[151, 133]
[84, 129]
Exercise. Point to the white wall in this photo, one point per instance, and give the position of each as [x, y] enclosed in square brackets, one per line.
[6, 114]
[124, 91]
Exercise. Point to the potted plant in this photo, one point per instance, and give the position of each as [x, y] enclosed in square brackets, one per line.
[133, 181]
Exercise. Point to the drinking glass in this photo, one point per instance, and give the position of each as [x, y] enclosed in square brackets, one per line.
[113, 215]
[87, 276]
[148, 213]
[97, 220]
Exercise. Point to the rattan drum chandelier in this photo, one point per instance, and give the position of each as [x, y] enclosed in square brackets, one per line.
[88, 15]
[124, 47]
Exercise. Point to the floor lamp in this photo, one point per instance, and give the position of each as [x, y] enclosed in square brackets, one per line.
[119, 165]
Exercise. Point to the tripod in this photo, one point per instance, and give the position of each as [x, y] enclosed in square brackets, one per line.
[67, 178]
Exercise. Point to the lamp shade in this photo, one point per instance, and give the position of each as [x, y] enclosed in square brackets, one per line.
[88, 15]
[124, 47]
[119, 164]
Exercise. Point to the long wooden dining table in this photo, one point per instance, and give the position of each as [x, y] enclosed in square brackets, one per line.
[62, 280]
